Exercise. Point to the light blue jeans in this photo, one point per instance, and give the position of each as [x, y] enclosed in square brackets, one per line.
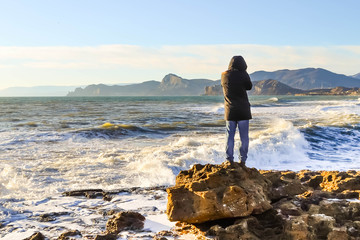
[243, 126]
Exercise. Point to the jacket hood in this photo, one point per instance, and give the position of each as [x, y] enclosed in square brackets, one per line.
[238, 63]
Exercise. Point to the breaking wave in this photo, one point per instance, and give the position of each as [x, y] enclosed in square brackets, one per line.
[112, 131]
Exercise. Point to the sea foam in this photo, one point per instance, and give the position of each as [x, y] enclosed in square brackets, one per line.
[280, 146]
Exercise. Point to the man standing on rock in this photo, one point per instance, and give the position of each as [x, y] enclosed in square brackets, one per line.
[235, 81]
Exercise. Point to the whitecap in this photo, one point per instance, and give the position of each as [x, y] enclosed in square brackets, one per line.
[273, 99]
[186, 141]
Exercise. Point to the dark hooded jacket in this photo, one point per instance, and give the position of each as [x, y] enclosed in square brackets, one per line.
[235, 81]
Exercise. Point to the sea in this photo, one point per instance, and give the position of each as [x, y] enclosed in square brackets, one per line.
[49, 145]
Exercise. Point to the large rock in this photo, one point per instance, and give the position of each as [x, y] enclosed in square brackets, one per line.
[69, 234]
[109, 236]
[36, 236]
[125, 221]
[210, 192]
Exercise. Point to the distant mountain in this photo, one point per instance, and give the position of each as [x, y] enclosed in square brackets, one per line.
[355, 91]
[141, 89]
[356, 76]
[39, 91]
[264, 87]
[287, 82]
[272, 87]
[308, 78]
[171, 85]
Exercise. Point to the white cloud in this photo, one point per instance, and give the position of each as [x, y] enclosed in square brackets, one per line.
[6, 66]
[189, 61]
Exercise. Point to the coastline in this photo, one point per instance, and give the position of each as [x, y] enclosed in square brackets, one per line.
[88, 211]
[88, 214]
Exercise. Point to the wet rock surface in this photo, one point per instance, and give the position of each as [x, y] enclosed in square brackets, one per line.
[123, 217]
[49, 217]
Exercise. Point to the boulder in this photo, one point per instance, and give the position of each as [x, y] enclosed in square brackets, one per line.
[211, 192]
[67, 235]
[36, 236]
[321, 225]
[297, 228]
[125, 221]
[108, 236]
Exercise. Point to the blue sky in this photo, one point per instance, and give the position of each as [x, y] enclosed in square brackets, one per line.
[85, 42]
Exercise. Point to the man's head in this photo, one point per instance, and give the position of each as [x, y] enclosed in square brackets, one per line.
[238, 63]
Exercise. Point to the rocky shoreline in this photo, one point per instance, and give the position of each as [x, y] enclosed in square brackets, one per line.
[229, 202]
[90, 214]
[302, 205]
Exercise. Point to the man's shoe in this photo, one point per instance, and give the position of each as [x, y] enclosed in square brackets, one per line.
[231, 163]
